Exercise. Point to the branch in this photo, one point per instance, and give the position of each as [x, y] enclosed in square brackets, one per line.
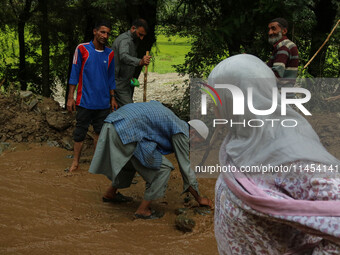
[179, 5]
[322, 44]
[332, 98]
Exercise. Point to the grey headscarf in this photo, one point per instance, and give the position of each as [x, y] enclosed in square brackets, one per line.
[248, 146]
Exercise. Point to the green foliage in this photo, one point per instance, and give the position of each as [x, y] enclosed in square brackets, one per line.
[8, 52]
[9, 68]
[66, 22]
[205, 31]
[181, 106]
[332, 64]
[200, 60]
[221, 28]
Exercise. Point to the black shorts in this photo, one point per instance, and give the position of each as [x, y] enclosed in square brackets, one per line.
[84, 118]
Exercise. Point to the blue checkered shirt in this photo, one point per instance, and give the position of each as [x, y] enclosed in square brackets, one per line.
[152, 126]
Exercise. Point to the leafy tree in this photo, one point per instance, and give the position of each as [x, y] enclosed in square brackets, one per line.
[325, 13]
[49, 31]
[221, 28]
[22, 11]
[45, 47]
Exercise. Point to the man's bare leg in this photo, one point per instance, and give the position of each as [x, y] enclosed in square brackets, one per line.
[203, 201]
[76, 155]
[144, 208]
[95, 140]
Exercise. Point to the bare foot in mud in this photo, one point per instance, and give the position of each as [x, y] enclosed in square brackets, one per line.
[110, 193]
[203, 201]
[73, 167]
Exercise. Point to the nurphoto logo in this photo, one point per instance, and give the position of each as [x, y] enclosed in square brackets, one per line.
[239, 104]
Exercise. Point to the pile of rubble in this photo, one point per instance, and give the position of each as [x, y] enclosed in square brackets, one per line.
[26, 117]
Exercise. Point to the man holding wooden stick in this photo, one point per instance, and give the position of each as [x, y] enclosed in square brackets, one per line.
[125, 50]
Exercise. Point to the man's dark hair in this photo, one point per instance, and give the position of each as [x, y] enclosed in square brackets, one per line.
[103, 23]
[282, 22]
[141, 23]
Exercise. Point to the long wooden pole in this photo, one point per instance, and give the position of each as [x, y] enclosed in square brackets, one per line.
[322, 44]
[145, 79]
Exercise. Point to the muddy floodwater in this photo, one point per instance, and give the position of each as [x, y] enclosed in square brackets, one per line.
[45, 210]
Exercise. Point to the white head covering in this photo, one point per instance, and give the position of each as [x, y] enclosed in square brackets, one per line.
[200, 127]
[264, 145]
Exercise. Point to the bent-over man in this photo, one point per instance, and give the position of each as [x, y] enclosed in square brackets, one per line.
[135, 138]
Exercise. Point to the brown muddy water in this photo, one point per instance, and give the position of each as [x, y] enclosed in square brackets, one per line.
[45, 210]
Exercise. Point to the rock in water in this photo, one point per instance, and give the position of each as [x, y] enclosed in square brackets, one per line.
[184, 223]
[179, 211]
[3, 147]
[202, 211]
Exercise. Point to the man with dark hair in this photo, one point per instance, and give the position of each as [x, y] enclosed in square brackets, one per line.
[135, 138]
[125, 49]
[93, 71]
[285, 57]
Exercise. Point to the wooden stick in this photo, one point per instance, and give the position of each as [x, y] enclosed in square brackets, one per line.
[145, 79]
[332, 98]
[322, 44]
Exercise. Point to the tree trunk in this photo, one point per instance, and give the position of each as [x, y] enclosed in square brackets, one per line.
[325, 12]
[45, 49]
[71, 47]
[90, 19]
[22, 19]
[22, 55]
[88, 24]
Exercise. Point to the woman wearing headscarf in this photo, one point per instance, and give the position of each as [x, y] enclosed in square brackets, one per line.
[293, 210]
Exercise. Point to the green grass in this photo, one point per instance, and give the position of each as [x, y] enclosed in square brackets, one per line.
[168, 51]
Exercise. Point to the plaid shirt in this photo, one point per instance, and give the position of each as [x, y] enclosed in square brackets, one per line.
[285, 59]
[152, 126]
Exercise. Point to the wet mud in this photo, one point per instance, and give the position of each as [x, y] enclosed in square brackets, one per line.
[45, 210]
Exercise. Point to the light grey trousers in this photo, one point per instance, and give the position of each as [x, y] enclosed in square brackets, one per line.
[116, 161]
